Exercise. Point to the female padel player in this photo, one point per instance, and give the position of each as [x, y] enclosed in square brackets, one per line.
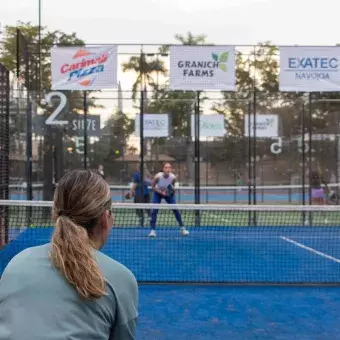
[163, 188]
[68, 288]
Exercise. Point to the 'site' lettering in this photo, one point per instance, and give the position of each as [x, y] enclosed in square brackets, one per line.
[79, 125]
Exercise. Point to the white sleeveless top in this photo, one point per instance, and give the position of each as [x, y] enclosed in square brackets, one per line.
[164, 182]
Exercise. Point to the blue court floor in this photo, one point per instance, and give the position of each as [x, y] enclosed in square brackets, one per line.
[225, 254]
[239, 313]
[214, 254]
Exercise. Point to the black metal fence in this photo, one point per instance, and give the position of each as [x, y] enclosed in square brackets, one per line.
[100, 131]
[4, 150]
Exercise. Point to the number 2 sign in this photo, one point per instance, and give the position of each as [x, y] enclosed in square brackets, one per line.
[52, 119]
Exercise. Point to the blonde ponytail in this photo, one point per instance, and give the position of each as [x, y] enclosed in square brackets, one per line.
[72, 255]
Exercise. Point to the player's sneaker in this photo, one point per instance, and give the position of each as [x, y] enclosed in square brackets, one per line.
[152, 233]
[184, 232]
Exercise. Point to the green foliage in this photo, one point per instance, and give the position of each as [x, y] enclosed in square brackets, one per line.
[113, 143]
[145, 67]
[8, 56]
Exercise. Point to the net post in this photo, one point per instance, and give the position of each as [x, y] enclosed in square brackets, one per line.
[197, 157]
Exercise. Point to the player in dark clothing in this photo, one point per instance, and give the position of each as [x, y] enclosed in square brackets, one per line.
[140, 190]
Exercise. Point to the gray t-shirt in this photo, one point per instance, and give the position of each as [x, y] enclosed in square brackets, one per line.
[37, 303]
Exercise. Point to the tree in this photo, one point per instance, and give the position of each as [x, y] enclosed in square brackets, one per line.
[29, 45]
[256, 75]
[257, 79]
[179, 103]
[8, 54]
[113, 143]
[144, 67]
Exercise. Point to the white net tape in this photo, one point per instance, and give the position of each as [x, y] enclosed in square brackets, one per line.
[195, 207]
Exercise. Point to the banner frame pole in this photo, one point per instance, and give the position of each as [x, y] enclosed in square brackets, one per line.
[249, 164]
[85, 107]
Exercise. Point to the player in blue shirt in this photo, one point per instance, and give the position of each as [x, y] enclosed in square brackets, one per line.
[163, 188]
[137, 187]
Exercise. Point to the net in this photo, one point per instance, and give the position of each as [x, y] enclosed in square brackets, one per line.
[233, 244]
[268, 194]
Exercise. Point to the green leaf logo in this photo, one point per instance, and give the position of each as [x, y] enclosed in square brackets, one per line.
[270, 122]
[215, 56]
[224, 57]
[223, 67]
[222, 60]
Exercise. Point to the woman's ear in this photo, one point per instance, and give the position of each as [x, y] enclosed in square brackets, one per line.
[105, 220]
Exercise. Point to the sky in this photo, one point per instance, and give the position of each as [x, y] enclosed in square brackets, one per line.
[228, 22]
[156, 21]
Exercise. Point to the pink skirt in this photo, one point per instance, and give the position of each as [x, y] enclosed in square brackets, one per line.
[318, 193]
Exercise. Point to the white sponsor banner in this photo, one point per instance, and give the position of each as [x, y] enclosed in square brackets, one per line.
[266, 125]
[210, 126]
[309, 69]
[200, 68]
[84, 68]
[155, 125]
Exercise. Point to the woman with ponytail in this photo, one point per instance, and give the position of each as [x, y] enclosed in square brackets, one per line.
[68, 289]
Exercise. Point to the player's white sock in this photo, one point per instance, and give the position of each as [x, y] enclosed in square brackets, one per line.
[152, 233]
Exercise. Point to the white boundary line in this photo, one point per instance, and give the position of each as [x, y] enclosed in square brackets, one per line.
[312, 250]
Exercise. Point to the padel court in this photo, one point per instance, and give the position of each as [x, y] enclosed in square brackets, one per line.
[220, 282]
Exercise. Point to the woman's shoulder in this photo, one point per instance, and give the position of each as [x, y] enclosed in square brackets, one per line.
[31, 257]
[31, 253]
[115, 272]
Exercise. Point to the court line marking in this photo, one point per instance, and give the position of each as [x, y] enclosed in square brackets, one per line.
[312, 250]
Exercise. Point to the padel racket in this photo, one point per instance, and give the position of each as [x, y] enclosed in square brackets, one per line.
[170, 190]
